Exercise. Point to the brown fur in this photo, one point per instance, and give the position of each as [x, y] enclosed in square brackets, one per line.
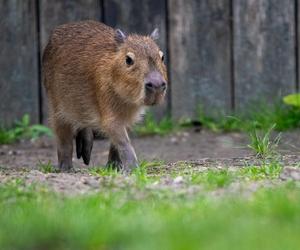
[89, 85]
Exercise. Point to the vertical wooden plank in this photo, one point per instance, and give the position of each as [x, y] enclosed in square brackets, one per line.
[18, 61]
[200, 56]
[134, 16]
[264, 50]
[56, 12]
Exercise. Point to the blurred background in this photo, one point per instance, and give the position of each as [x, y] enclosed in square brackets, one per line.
[221, 54]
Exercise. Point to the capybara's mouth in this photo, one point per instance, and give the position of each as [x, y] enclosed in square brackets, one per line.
[154, 99]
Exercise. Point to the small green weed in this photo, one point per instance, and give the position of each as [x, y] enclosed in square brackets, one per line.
[21, 130]
[292, 100]
[46, 167]
[262, 144]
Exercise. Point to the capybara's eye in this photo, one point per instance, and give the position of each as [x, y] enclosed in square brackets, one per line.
[162, 56]
[129, 60]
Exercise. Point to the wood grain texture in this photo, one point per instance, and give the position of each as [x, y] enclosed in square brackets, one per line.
[195, 35]
[56, 12]
[264, 50]
[18, 61]
[142, 17]
[200, 57]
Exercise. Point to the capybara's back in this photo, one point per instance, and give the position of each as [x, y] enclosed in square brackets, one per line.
[69, 63]
[97, 78]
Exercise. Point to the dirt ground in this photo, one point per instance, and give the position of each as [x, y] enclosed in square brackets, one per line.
[202, 149]
[182, 146]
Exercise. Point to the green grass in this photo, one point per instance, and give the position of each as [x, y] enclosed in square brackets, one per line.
[111, 171]
[103, 171]
[213, 178]
[270, 170]
[47, 167]
[34, 218]
[151, 126]
[220, 178]
[134, 215]
[224, 123]
[262, 143]
[258, 116]
[141, 173]
[23, 130]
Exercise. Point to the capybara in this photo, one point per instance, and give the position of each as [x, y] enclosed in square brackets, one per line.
[99, 79]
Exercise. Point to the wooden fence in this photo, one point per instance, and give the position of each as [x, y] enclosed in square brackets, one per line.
[221, 54]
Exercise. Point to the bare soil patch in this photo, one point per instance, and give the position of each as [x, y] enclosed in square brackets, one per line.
[200, 151]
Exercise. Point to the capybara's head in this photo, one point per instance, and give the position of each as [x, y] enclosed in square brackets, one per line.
[139, 73]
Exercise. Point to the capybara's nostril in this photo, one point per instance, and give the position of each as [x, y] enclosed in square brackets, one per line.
[163, 86]
[156, 86]
[150, 86]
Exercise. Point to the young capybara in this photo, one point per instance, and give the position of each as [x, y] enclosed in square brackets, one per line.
[99, 79]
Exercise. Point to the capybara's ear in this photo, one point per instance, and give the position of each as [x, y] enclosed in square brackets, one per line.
[155, 34]
[120, 36]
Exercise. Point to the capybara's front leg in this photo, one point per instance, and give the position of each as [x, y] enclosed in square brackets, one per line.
[64, 139]
[114, 160]
[127, 156]
[122, 151]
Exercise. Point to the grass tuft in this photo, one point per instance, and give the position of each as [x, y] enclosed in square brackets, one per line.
[262, 144]
[47, 167]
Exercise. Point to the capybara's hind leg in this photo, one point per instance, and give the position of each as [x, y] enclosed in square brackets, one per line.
[64, 139]
[84, 144]
[114, 159]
